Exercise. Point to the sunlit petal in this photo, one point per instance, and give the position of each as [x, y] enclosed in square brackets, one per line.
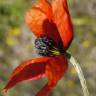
[30, 69]
[55, 69]
[63, 21]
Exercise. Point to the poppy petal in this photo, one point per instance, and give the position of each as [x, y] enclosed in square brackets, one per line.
[45, 7]
[63, 21]
[34, 19]
[37, 15]
[44, 91]
[55, 69]
[30, 69]
[39, 19]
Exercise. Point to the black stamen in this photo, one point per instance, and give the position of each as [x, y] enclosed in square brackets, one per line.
[44, 45]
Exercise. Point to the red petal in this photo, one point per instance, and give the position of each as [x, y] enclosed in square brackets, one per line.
[34, 19]
[31, 69]
[37, 15]
[39, 20]
[44, 91]
[62, 20]
[45, 7]
[55, 69]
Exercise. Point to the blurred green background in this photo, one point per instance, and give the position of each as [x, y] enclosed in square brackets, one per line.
[16, 45]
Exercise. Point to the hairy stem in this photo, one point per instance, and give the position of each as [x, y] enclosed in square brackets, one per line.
[79, 72]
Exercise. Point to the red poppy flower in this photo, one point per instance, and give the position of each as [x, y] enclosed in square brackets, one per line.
[51, 21]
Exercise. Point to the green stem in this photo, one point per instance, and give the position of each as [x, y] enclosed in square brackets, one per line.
[79, 72]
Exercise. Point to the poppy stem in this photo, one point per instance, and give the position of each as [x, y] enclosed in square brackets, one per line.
[77, 67]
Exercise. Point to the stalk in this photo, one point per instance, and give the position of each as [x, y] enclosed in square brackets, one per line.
[79, 71]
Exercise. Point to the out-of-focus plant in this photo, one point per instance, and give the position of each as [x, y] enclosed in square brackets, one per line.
[11, 18]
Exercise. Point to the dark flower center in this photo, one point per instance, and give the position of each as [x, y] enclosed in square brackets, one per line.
[47, 47]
